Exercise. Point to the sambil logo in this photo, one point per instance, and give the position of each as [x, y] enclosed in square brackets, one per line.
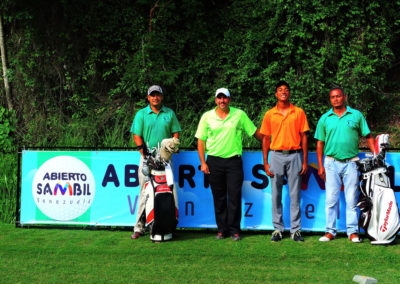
[383, 228]
[63, 188]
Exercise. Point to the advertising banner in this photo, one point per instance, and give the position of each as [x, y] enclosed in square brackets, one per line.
[101, 188]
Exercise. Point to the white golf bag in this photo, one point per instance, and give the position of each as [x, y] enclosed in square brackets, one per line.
[379, 216]
[161, 197]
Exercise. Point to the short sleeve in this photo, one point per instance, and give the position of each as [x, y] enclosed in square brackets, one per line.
[266, 125]
[364, 129]
[320, 131]
[247, 125]
[201, 132]
[175, 124]
[137, 125]
[304, 127]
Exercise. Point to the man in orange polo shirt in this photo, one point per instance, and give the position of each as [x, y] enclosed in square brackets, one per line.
[285, 130]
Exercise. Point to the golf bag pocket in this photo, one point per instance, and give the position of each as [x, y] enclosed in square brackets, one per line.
[161, 209]
[161, 179]
[384, 223]
[165, 220]
[379, 216]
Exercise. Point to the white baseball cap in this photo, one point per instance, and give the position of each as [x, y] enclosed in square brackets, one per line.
[154, 88]
[223, 91]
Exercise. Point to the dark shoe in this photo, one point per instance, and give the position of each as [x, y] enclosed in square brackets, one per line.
[236, 237]
[327, 237]
[136, 235]
[220, 236]
[276, 236]
[296, 236]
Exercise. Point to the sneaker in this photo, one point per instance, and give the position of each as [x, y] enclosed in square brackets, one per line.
[355, 238]
[220, 236]
[327, 237]
[296, 236]
[276, 236]
[236, 237]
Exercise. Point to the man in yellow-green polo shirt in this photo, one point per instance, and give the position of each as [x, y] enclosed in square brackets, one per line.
[337, 135]
[219, 135]
[150, 126]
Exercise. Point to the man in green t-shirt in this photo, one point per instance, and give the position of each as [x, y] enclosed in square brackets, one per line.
[151, 125]
[220, 135]
[338, 133]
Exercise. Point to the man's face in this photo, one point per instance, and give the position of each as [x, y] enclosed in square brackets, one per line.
[282, 93]
[338, 99]
[155, 99]
[222, 101]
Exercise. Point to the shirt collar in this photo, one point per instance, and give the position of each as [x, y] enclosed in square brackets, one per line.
[231, 109]
[149, 110]
[275, 109]
[348, 110]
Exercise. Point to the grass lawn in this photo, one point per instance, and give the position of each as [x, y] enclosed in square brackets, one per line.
[56, 255]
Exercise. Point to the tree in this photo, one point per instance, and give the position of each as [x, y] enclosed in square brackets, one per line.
[4, 65]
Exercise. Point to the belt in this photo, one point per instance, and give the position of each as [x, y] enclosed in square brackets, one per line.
[288, 151]
[354, 159]
[233, 157]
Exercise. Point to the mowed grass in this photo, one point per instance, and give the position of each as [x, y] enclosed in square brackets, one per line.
[100, 256]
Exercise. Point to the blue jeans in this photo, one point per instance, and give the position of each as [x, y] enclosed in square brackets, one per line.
[336, 173]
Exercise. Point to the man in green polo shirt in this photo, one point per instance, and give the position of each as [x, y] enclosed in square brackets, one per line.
[338, 133]
[219, 134]
[151, 125]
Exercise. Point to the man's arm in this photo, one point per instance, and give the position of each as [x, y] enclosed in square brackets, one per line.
[258, 135]
[266, 142]
[371, 142]
[139, 142]
[201, 148]
[304, 146]
[320, 157]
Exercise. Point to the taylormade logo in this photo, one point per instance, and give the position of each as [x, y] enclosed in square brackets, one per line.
[63, 188]
[383, 228]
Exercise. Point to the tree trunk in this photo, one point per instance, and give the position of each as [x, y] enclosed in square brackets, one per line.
[3, 63]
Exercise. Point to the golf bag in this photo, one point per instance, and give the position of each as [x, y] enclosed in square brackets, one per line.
[161, 198]
[379, 216]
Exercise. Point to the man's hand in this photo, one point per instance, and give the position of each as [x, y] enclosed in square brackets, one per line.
[267, 171]
[305, 169]
[321, 173]
[204, 169]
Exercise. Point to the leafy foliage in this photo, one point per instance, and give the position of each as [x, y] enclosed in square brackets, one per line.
[80, 70]
[7, 129]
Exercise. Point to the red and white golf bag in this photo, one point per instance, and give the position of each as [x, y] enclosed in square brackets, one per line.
[161, 198]
[379, 216]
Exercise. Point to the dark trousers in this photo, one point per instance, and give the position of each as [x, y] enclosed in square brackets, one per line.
[226, 179]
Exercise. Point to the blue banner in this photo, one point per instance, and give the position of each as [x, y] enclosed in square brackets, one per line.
[101, 188]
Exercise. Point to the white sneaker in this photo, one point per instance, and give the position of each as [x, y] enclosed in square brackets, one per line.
[327, 237]
[355, 238]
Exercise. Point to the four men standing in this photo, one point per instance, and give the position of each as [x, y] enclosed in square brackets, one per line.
[285, 156]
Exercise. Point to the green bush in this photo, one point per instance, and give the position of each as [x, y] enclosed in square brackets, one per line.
[8, 187]
[7, 130]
